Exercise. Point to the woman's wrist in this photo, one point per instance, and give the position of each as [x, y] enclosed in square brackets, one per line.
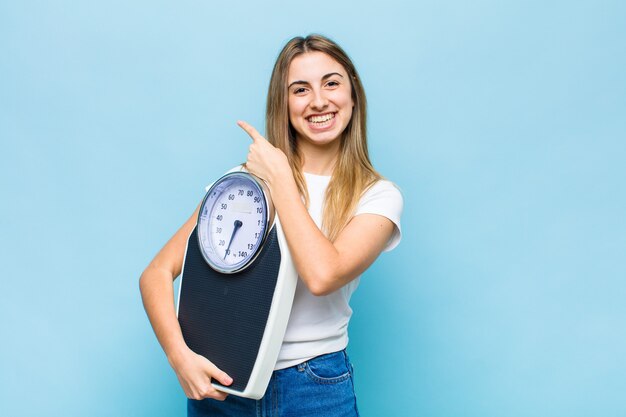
[176, 353]
[280, 175]
[283, 189]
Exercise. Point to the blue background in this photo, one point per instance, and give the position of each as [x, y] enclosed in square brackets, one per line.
[504, 123]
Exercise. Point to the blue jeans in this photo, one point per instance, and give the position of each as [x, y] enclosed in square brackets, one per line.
[322, 386]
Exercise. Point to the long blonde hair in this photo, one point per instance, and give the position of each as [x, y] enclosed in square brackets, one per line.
[353, 172]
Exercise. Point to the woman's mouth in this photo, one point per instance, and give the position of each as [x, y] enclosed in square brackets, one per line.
[321, 121]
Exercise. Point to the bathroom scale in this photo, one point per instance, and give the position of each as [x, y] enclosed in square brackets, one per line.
[237, 284]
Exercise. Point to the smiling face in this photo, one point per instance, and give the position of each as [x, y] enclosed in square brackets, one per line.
[320, 98]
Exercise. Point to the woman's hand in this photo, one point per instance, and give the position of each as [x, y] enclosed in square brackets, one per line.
[264, 160]
[195, 373]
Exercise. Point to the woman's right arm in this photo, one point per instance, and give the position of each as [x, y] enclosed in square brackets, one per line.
[194, 372]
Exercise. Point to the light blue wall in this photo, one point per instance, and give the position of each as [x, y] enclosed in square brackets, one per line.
[503, 122]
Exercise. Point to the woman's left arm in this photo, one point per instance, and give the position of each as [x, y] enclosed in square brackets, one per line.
[324, 266]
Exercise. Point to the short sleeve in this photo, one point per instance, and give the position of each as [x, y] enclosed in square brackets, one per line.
[384, 199]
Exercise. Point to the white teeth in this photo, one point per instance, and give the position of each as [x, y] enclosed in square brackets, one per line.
[321, 119]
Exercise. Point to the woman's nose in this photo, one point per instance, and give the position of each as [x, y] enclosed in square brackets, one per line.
[319, 100]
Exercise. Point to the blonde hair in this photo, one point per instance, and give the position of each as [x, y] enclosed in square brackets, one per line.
[353, 173]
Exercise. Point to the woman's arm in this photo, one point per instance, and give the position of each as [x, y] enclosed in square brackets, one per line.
[324, 266]
[194, 372]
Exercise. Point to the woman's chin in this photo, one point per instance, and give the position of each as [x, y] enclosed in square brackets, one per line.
[321, 140]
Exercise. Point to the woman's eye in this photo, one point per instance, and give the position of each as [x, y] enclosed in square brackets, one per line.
[332, 84]
[299, 90]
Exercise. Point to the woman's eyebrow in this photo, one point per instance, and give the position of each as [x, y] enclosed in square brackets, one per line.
[298, 82]
[330, 74]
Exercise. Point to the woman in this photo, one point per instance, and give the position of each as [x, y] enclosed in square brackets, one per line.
[338, 215]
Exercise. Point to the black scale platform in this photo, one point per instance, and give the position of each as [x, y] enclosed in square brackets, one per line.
[223, 316]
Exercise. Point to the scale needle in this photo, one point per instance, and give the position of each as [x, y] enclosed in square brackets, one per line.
[238, 224]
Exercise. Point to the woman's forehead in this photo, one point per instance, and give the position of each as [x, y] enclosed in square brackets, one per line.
[312, 66]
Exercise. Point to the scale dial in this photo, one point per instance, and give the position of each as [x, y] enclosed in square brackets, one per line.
[234, 220]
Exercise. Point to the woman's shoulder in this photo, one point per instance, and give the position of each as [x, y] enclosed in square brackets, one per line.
[384, 191]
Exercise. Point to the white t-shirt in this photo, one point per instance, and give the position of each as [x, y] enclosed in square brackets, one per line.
[319, 324]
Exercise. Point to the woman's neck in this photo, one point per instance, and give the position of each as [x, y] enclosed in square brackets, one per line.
[319, 160]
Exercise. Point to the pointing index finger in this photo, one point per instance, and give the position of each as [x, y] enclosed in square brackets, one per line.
[251, 131]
